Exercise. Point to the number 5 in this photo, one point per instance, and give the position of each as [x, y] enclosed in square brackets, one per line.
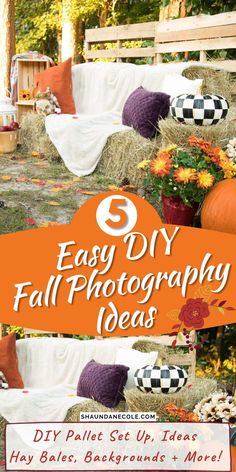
[115, 210]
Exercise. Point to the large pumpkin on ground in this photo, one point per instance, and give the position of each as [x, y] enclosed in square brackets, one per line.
[219, 207]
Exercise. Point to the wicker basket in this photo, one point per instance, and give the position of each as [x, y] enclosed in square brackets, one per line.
[8, 141]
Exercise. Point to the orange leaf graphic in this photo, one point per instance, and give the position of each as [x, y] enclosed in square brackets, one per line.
[203, 292]
[173, 315]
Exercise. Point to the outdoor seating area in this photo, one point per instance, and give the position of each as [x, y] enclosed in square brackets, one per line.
[95, 148]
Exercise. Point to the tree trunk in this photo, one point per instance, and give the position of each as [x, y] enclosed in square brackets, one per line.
[72, 35]
[219, 340]
[79, 41]
[175, 9]
[107, 13]
[7, 43]
[59, 41]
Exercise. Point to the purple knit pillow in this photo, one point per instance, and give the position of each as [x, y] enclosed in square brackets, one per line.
[103, 382]
[143, 109]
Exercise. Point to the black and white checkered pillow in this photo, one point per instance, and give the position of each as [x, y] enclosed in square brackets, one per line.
[3, 382]
[199, 110]
[164, 379]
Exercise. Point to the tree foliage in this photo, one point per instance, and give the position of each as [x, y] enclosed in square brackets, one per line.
[37, 25]
[211, 7]
[39, 22]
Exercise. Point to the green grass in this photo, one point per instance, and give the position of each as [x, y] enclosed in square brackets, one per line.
[53, 171]
[105, 180]
[12, 220]
[24, 199]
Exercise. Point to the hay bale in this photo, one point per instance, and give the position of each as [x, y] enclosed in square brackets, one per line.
[73, 414]
[3, 423]
[215, 81]
[149, 346]
[166, 354]
[187, 397]
[35, 138]
[123, 152]
[178, 133]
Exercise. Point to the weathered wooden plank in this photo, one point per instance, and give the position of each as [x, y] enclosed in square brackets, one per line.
[203, 56]
[194, 22]
[123, 52]
[228, 65]
[32, 60]
[202, 45]
[113, 33]
[199, 33]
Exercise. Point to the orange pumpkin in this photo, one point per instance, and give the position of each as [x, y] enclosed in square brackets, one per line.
[219, 207]
[233, 458]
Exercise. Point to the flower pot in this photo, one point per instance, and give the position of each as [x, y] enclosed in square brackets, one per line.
[176, 212]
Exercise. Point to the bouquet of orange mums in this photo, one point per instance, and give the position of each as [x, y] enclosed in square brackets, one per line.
[187, 173]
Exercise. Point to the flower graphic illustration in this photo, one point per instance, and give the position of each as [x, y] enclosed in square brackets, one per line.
[194, 312]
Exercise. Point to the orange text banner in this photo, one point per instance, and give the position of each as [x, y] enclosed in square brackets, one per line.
[117, 270]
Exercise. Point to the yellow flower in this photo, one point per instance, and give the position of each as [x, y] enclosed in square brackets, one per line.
[229, 169]
[223, 156]
[185, 175]
[205, 179]
[170, 148]
[143, 164]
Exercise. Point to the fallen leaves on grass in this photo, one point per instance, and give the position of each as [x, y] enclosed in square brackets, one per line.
[53, 203]
[86, 192]
[38, 182]
[122, 188]
[114, 188]
[38, 155]
[6, 178]
[56, 190]
[22, 179]
[30, 221]
[35, 153]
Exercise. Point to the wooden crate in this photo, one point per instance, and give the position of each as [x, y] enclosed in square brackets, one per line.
[27, 70]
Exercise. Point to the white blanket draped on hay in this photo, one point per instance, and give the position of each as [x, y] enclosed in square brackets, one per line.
[50, 368]
[100, 91]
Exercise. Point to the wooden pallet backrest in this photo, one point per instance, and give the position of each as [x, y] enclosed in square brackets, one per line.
[29, 332]
[200, 33]
[175, 357]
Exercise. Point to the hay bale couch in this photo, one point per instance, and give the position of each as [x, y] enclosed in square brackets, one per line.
[95, 137]
[51, 368]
